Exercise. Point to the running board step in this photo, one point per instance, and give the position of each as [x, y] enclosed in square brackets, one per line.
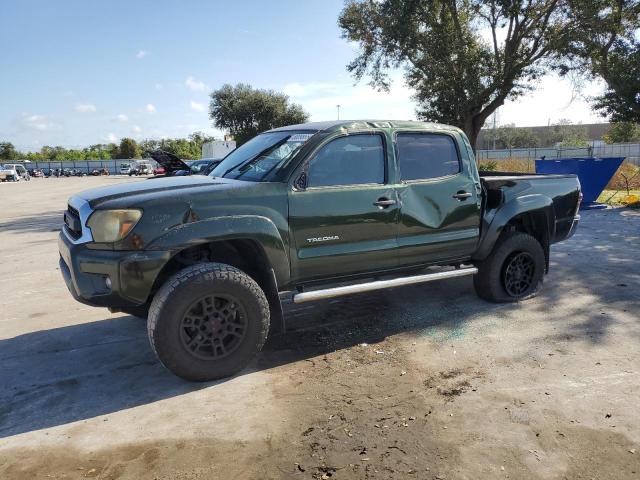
[380, 284]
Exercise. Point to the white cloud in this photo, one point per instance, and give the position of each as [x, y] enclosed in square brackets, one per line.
[136, 128]
[122, 117]
[308, 89]
[111, 138]
[84, 107]
[356, 101]
[158, 86]
[142, 54]
[149, 107]
[195, 85]
[38, 122]
[198, 107]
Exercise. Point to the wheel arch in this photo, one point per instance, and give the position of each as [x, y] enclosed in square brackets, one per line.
[245, 253]
[532, 214]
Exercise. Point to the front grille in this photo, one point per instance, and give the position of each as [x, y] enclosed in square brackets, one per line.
[72, 222]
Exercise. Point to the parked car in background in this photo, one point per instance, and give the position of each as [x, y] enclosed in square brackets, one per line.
[8, 174]
[172, 166]
[14, 172]
[36, 172]
[141, 168]
[125, 168]
[204, 166]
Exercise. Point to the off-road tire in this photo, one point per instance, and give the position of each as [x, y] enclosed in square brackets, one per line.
[172, 302]
[489, 282]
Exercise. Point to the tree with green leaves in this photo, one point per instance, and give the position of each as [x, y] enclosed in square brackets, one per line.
[458, 75]
[509, 136]
[128, 149]
[99, 151]
[622, 132]
[8, 151]
[245, 112]
[621, 99]
[186, 148]
[604, 42]
[564, 133]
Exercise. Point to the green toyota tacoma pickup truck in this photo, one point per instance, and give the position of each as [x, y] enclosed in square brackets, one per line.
[311, 211]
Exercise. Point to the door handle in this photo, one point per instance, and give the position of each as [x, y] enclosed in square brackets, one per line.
[384, 202]
[462, 195]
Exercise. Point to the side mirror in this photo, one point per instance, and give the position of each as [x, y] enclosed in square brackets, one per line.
[301, 182]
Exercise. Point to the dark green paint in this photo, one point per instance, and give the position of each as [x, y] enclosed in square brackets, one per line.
[426, 225]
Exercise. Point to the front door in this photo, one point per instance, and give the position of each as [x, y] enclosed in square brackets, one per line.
[344, 219]
[440, 213]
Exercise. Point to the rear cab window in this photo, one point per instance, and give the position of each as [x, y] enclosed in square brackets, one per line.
[425, 156]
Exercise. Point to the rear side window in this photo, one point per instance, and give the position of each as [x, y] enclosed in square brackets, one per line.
[426, 155]
[350, 160]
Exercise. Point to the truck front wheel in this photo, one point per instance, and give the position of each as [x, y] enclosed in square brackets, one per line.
[513, 271]
[208, 322]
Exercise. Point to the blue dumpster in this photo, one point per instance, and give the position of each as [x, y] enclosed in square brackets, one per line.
[593, 173]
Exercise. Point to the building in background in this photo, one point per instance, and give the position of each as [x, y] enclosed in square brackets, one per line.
[218, 149]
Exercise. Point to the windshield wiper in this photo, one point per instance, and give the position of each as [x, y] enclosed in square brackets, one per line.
[246, 164]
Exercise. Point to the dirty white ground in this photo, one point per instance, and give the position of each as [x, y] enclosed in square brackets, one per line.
[420, 382]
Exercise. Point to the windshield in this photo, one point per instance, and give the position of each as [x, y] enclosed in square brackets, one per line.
[261, 156]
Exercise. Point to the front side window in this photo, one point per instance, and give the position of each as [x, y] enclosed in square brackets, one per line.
[350, 160]
[423, 156]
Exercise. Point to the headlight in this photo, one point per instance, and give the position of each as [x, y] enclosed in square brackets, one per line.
[108, 226]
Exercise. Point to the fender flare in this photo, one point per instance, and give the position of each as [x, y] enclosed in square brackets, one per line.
[235, 227]
[540, 206]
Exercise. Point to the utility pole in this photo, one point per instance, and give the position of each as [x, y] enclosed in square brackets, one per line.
[338, 107]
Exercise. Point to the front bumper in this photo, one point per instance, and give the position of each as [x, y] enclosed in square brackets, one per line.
[131, 274]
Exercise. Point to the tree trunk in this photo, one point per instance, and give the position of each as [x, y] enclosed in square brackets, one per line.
[472, 131]
[473, 138]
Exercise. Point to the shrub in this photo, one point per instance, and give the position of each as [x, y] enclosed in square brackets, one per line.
[488, 166]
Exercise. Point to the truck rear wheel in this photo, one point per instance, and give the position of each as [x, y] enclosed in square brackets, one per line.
[208, 322]
[513, 271]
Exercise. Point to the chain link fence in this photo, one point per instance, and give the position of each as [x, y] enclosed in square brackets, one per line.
[631, 151]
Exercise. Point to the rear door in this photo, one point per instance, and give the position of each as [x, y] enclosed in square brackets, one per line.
[440, 201]
[343, 220]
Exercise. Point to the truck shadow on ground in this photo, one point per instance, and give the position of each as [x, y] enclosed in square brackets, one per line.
[58, 376]
[68, 374]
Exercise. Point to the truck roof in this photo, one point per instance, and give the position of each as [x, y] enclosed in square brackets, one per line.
[357, 124]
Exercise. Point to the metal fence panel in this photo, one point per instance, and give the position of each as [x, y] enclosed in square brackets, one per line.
[629, 150]
[85, 166]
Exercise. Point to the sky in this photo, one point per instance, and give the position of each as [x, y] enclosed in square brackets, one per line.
[77, 73]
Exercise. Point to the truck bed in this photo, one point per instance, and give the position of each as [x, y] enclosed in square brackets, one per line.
[563, 190]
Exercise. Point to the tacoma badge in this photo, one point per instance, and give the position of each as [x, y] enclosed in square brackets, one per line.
[322, 239]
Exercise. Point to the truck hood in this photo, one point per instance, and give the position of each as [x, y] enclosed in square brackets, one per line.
[156, 186]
